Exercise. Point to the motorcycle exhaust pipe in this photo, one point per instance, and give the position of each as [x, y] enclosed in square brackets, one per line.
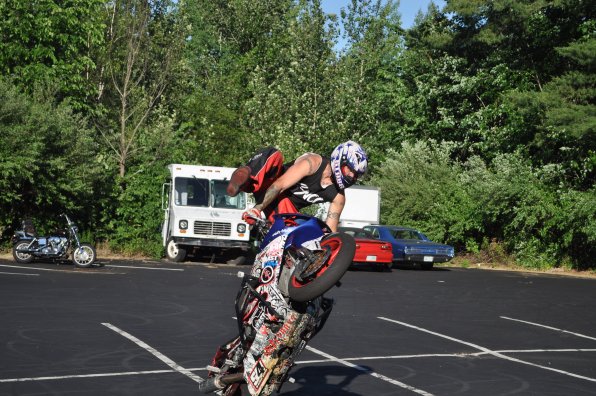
[219, 382]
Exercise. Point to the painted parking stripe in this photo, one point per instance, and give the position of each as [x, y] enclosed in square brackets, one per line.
[488, 351]
[33, 268]
[156, 353]
[549, 327]
[449, 355]
[147, 268]
[18, 273]
[426, 355]
[97, 375]
[367, 371]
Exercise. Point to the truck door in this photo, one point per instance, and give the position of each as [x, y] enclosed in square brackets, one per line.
[165, 206]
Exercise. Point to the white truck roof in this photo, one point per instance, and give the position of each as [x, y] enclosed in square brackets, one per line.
[363, 207]
[207, 172]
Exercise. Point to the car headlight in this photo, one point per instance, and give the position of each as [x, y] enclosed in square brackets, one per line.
[241, 228]
[183, 224]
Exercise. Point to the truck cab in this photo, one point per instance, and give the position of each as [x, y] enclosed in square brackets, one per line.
[198, 212]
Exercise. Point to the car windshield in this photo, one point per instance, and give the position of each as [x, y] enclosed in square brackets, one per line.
[408, 234]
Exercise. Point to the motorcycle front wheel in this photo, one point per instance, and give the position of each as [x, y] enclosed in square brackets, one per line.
[341, 248]
[21, 258]
[84, 256]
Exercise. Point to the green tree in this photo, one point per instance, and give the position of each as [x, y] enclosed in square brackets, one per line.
[142, 55]
[421, 187]
[229, 40]
[291, 102]
[47, 156]
[51, 42]
[370, 89]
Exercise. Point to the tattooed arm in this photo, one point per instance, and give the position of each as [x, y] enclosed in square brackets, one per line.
[335, 209]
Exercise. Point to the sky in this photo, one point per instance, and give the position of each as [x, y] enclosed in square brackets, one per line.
[407, 9]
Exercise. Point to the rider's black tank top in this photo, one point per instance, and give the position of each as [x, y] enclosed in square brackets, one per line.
[308, 191]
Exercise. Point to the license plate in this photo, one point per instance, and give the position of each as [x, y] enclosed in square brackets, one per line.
[428, 259]
[371, 258]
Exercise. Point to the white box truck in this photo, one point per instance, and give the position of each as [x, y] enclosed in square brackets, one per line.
[198, 212]
[363, 207]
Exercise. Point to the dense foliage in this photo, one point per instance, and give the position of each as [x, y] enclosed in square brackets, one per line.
[479, 120]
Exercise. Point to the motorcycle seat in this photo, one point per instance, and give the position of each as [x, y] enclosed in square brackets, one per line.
[29, 228]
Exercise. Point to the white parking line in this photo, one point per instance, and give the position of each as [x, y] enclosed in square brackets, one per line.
[18, 273]
[488, 351]
[94, 375]
[449, 355]
[367, 371]
[156, 353]
[34, 268]
[549, 327]
[147, 268]
[327, 360]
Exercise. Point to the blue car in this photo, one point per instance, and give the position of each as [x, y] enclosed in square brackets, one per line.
[411, 246]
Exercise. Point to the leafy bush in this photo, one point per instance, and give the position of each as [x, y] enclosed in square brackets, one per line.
[507, 202]
[420, 188]
[47, 165]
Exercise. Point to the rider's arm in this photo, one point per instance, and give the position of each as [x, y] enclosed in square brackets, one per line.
[335, 209]
[303, 166]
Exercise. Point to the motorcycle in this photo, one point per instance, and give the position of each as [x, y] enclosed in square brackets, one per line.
[280, 306]
[27, 245]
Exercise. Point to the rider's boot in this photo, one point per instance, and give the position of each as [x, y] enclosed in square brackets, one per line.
[238, 180]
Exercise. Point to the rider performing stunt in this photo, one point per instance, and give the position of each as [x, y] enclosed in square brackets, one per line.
[309, 179]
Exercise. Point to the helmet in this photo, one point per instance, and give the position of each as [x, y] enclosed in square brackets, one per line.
[352, 155]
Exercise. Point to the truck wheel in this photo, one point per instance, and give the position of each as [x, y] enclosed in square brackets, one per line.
[174, 252]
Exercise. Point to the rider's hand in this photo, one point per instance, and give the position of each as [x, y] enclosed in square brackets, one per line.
[249, 215]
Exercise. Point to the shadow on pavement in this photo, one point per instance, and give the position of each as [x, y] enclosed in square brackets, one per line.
[324, 380]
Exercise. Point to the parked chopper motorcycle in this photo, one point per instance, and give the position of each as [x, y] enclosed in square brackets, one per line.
[280, 305]
[27, 245]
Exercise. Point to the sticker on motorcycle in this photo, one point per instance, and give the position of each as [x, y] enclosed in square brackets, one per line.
[257, 375]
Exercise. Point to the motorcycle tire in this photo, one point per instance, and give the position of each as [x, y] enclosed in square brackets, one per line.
[342, 248]
[21, 258]
[174, 252]
[84, 256]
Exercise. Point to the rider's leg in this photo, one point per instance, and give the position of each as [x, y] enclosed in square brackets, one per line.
[258, 174]
[284, 205]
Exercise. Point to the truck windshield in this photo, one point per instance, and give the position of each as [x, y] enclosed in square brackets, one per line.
[220, 199]
[191, 192]
[204, 192]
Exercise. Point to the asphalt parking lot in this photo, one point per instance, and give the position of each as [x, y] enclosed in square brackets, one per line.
[150, 328]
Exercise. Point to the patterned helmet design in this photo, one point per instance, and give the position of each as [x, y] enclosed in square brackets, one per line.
[352, 155]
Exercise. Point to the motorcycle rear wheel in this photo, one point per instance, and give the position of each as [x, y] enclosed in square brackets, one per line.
[21, 258]
[84, 256]
[342, 247]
